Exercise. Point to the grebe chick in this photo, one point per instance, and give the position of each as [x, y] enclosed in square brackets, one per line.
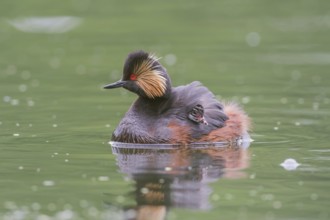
[174, 115]
[197, 114]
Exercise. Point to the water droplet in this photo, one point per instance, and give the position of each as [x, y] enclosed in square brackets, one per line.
[54, 125]
[168, 168]
[22, 88]
[48, 183]
[276, 128]
[34, 188]
[6, 98]
[26, 75]
[51, 207]
[103, 178]
[245, 99]
[253, 39]
[170, 59]
[277, 204]
[35, 83]
[144, 190]
[14, 102]
[229, 196]
[83, 203]
[120, 199]
[301, 101]
[107, 125]
[35, 206]
[290, 164]
[130, 214]
[65, 214]
[253, 176]
[11, 70]
[267, 197]
[295, 75]
[314, 196]
[297, 123]
[16, 135]
[66, 160]
[215, 197]
[20, 167]
[30, 103]
[81, 69]
[284, 100]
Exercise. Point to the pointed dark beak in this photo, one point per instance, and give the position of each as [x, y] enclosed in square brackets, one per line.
[117, 84]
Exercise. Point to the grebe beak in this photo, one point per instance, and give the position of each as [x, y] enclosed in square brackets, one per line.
[117, 84]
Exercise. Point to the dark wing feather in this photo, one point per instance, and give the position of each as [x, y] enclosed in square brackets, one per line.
[188, 96]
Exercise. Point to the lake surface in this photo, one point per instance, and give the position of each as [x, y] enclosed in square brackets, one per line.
[56, 120]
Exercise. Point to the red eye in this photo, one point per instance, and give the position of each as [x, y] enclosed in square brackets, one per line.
[132, 76]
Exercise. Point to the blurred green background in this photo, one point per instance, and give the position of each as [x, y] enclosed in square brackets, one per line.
[273, 57]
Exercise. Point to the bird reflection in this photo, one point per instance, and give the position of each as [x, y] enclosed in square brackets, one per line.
[177, 177]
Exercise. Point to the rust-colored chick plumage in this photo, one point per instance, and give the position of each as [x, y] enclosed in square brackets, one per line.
[174, 115]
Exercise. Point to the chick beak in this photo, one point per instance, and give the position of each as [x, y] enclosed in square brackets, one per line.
[117, 84]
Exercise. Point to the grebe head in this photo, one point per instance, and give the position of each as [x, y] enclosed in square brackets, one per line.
[145, 76]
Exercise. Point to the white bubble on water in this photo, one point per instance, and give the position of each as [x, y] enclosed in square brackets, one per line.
[16, 135]
[54, 125]
[20, 167]
[253, 39]
[290, 164]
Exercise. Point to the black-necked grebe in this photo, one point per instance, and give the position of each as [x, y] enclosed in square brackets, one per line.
[175, 115]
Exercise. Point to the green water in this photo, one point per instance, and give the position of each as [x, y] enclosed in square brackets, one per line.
[55, 120]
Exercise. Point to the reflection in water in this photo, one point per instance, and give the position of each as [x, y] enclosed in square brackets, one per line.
[177, 177]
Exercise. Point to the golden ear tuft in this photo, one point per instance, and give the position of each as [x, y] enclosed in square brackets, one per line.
[150, 78]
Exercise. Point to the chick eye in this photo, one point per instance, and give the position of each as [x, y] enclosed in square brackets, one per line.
[133, 77]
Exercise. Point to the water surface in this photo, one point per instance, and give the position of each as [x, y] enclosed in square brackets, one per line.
[56, 121]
